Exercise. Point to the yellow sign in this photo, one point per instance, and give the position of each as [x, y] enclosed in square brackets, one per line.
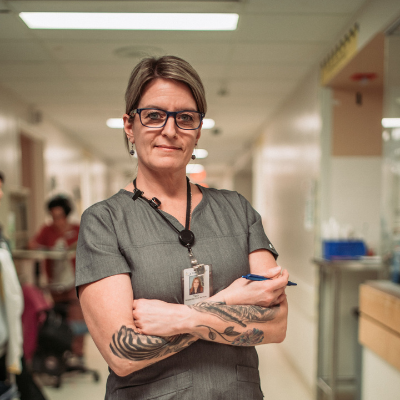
[340, 56]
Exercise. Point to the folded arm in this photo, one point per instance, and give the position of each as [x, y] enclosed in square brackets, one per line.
[107, 308]
[157, 330]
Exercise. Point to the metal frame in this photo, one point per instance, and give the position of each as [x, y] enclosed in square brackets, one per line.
[330, 273]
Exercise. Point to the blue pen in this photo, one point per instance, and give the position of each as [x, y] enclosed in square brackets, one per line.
[253, 277]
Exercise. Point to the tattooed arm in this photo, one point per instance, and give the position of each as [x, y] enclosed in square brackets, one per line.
[107, 308]
[237, 325]
[106, 305]
[244, 308]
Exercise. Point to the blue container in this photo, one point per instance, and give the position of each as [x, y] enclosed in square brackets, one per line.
[343, 249]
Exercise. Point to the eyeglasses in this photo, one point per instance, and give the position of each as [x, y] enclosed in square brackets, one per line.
[155, 118]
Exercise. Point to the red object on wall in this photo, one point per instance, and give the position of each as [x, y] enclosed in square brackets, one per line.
[363, 76]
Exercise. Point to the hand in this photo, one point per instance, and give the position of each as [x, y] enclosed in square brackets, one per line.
[158, 318]
[280, 322]
[260, 293]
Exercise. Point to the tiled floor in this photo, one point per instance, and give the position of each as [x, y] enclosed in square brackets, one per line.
[82, 386]
[279, 381]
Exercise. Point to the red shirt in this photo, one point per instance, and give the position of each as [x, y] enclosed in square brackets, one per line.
[53, 239]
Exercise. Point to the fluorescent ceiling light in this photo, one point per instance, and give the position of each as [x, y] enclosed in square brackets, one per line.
[194, 168]
[201, 153]
[208, 123]
[115, 123]
[391, 122]
[131, 21]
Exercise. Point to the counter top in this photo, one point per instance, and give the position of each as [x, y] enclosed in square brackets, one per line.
[364, 263]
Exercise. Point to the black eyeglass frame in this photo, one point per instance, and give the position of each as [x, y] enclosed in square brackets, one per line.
[169, 113]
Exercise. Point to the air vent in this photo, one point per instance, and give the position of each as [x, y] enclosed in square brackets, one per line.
[138, 51]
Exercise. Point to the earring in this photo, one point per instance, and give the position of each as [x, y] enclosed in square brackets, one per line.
[132, 152]
[194, 155]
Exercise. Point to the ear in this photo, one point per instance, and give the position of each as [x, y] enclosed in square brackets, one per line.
[128, 127]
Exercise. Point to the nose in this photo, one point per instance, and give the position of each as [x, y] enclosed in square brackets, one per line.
[169, 128]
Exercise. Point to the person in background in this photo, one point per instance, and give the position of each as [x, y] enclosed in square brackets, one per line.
[11, 338]
[62, 235]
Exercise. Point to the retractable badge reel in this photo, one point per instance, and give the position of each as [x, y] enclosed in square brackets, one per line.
[196, 280]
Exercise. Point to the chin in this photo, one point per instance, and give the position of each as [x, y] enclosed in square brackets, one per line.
[168, 167]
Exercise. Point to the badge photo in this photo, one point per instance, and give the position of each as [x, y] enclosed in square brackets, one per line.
[196, 286]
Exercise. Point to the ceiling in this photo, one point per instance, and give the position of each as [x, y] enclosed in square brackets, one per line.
[77, 78]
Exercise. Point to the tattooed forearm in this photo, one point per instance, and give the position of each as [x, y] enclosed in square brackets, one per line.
[236, 313]
[128, 344]
[251, 337]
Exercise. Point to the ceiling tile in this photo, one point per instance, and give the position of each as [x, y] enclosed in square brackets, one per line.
[11, 27]
[22, 51]
[297, 28]
[282, 53]
[304, 6]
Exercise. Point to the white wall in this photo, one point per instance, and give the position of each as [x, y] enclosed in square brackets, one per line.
[286, 174]
[355, 195]
[380, 380]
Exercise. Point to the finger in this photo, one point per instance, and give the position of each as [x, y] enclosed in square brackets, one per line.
[280, 282]
[272, 272]
[281, 298]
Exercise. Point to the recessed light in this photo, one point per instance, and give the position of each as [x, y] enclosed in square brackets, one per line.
[201, 153]
[117, 123]
[391, 122]
[131, 21]
[208, 123]
[194, 168]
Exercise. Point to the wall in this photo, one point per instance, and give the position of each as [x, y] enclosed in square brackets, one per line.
[380, 379]
[68, 167]
[297, 184]
[356, 163]
[286, 173]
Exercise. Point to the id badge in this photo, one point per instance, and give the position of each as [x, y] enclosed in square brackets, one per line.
[197, 283]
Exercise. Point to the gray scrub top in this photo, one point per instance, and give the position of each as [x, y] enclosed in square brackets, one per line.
[119, 235]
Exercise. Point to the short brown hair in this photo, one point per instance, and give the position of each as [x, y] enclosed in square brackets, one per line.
[167, 67]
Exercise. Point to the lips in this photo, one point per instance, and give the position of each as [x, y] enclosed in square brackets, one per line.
[167, 147]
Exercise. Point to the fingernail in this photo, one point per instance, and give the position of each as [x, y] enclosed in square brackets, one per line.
[275, 269]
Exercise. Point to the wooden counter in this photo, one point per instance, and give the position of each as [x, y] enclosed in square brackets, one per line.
[379, 328]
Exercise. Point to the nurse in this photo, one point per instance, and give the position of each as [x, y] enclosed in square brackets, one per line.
[138, 250]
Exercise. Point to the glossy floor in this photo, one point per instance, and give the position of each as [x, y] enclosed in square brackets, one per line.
[275, 374]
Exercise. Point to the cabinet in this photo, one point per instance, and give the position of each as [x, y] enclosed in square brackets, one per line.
[339, 354]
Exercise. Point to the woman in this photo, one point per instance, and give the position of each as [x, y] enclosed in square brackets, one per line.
[197, 287]
[134, 248]
[62, 234]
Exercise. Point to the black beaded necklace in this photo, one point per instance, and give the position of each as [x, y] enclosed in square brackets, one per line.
[186, 236]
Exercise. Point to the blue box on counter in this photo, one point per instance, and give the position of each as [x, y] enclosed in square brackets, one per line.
[343, 249]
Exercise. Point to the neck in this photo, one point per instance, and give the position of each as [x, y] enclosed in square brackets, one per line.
[162, 186]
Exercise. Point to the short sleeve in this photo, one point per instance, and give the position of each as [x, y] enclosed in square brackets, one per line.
[257, 239]
[42, 237]
[97, 254]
